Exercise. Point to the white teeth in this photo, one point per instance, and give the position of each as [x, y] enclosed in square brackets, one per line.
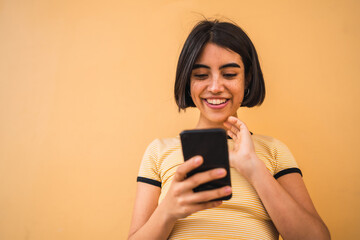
[216, 101]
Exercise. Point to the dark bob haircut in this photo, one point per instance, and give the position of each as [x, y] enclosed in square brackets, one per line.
[226, 35]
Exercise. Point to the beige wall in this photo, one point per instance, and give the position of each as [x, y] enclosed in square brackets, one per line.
[86, 85]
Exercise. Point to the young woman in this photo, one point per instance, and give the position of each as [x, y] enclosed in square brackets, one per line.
[218, 72]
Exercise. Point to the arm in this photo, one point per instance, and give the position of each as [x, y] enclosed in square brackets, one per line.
[145, 205]
[289, 205]
[153, 221]
[286, 200]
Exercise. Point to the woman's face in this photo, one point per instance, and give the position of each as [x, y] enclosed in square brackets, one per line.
[217, 84]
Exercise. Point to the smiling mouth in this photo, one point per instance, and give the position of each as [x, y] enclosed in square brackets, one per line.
[216, 102]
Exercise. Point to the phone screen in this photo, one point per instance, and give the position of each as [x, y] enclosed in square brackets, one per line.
[211, 144]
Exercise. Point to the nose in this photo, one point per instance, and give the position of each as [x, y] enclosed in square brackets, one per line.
[216, 84]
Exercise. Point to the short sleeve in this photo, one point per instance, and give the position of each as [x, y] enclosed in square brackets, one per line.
[148, 172]
[285, 161]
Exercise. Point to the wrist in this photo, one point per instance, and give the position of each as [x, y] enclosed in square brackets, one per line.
[165, 215]
[257, 169]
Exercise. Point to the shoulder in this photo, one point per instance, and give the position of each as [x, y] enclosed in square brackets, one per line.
[272, 147]
[267, 141]
[277, 154]
[161, 145]
[169, 142]
[156, 153]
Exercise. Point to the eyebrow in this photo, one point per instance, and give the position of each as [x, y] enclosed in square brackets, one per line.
[221, 67]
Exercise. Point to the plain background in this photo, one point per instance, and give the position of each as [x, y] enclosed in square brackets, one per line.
[85, 86]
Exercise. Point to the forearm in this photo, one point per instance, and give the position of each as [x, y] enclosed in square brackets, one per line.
[157, 227]
[291, 220]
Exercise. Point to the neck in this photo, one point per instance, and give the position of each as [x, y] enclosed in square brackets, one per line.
[206, 123]
[211, 125]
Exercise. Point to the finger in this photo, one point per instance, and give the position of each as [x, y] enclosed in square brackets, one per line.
[241, 126]
[237, 122]
[235, 130]
[232, 135]
[205, 196]
[227, 124]
[203, 177]
[186, 167]
[231, 126]
[232, 129]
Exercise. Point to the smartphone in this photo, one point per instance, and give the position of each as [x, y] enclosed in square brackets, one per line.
[211, 144]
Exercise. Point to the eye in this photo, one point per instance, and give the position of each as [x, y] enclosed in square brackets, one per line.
[230, 75]
[200, 76]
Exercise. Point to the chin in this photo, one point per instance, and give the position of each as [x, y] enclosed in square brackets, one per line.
[218, 119]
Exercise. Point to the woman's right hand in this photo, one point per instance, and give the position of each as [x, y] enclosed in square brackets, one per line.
[181, 201]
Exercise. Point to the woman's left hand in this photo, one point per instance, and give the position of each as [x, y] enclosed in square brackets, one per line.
[242, 157]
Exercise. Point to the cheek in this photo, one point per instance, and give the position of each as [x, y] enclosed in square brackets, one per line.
[237, 90]
[195, 90]
[237, 87]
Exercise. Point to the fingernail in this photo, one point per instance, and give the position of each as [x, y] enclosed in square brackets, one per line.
[227, 189]
[197, 160]
[220, 171]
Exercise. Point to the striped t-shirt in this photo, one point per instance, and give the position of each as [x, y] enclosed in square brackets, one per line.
[241, 217]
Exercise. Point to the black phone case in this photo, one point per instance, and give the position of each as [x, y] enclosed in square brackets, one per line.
[211, 144]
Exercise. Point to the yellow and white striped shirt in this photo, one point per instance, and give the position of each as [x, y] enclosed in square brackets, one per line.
[241, 217]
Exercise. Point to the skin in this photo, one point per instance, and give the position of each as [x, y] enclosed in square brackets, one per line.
[285, 199]
[217, 81]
